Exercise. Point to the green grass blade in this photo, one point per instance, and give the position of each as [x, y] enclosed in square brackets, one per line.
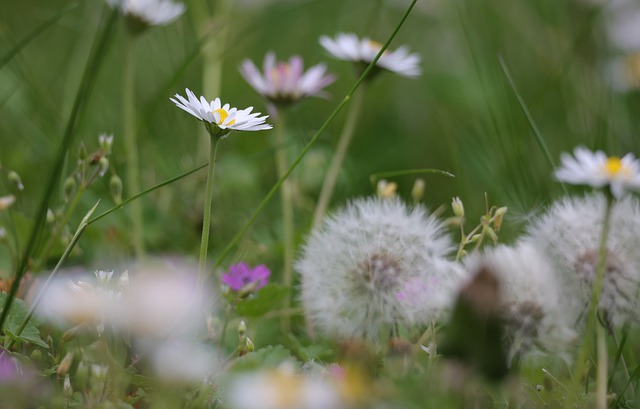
[34, 34]
[86, 85]
[395, 173]
[311, 142]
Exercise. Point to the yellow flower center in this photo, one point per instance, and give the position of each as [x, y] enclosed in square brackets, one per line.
[632, 69]
[375, 45]
[613, 166]
[223, 115]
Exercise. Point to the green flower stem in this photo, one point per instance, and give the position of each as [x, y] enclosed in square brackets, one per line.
[232, 243]
[286, 198]
[601, 375]
[206, 216]
[592, 319]
[81, 228]
[131, 148]
[336, 162]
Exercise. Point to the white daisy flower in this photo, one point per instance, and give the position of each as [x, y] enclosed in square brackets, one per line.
[597, 170]
[347, 46]
[149, 12]
[285, 82]
[569, 234]
[361, 268]
[221, 119]
[532, 302]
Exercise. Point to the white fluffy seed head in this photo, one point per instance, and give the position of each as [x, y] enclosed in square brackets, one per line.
[374, 264]
[531, 302]
[569, 234]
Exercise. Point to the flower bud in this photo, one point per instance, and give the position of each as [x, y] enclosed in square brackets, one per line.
[417, 193]
[15, 179]
[69, 188]
[104, 165]
[51, 217]
[250, 346]
[115, 185]
[458, 207]
[491, 234]
[386, 190]
[242, 330]
[82, 152]
[105, 141]
[497, 218]
[65, 365]
[6, 201]
[66, 387]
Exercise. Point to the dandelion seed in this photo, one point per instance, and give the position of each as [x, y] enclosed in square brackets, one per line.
[597, 170]
[286, 82]
[347, 46]
[569, 234]
[358, 267]
[220, 119]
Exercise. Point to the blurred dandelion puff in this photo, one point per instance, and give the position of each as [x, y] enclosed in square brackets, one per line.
[360, 268]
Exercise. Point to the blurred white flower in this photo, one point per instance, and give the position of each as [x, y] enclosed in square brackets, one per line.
[623, 72]
[286, 82]
[358, 267]
[597, 170]
[6, 201]
[569, 234]
[282, 388]
[220, 119]
[623, 25]
[532, 301]
[149, 12]
[347, 46]
[183, 360]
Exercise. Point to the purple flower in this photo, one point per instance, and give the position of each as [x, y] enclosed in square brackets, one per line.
[8, 370]
[286, 82]
[241, 275]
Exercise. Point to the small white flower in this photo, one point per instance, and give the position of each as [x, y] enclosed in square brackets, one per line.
[181, 360]
[359, 269]
[149, 12]
[347, 46]
[597, 170]
[532, 300]
[286, 82]
[569, 234]
[220, 119]
[6, 201]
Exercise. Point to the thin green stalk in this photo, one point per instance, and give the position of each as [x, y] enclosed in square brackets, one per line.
[286, 198]
[601, 375]
[395, 173]
[536, 132]
[336, 162]
[84, 90]
[313, 140]
[206, 217]
[580, 364]
[81, 228]
[131, 148]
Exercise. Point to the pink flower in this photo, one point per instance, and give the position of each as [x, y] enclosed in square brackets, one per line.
[241, 275]
[286, 82]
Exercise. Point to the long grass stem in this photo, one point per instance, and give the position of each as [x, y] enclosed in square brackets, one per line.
[329, 183]
[131, 148]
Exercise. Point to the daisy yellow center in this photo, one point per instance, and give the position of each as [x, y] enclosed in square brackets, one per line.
[223, 115]
[613, 166]
[375, 45]
[632, 69]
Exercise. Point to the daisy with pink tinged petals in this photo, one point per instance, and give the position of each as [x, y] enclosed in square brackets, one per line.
[597, 170]
[283, 82]
[347, 46]
[241, 275]
[220, 119]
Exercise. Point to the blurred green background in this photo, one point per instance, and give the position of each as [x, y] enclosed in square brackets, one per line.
[461, 115]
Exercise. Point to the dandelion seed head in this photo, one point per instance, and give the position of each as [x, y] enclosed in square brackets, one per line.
[360, 268]
[569, 234]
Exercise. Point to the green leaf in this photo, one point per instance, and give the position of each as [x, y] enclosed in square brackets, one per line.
[269, 357]
[18, 313]
[266, 299]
